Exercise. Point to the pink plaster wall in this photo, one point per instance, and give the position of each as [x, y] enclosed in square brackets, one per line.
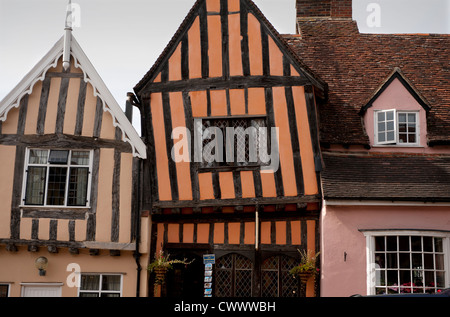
[341, 224]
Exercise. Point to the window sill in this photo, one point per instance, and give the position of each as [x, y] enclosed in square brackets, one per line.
[54, 212]
[398, 145]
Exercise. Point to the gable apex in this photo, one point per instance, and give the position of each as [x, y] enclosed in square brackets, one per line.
[90, 75]
[232, 20]
[396, 74]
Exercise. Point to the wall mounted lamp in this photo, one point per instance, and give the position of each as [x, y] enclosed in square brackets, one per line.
[41, 264]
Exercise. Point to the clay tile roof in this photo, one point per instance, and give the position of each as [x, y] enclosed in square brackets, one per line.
[354, 65]
[386, 177]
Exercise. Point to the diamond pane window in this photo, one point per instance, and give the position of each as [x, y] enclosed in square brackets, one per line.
[232, 141]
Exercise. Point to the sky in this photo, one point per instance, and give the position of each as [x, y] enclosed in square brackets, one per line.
[123, 38]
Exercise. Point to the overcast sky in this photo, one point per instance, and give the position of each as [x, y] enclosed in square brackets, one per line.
[123, 38]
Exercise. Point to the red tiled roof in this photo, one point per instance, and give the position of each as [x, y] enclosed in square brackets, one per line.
[354, 65]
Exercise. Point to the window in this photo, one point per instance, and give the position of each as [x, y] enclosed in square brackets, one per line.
[394, 127]
[408, 263]
[233, 276]
[100, 285]
[275, 278]
[57, 177]
[234, 142]
[4, 290]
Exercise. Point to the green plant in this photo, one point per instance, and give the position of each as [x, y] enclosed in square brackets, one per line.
[307, 262]
[163, 261]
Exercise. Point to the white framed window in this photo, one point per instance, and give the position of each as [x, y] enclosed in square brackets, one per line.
[393, 127]
[100, 285]
[407, 261]
[57, 177]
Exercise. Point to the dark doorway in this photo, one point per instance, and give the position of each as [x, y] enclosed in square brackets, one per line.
[185, 281]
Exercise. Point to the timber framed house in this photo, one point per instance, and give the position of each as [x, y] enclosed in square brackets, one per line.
[227, 67]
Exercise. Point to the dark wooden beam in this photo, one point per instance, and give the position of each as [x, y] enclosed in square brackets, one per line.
[235, 82]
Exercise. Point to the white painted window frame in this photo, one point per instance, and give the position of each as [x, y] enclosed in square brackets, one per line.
[370, 251]
[396, 128]
[25, 176]
[100, 291]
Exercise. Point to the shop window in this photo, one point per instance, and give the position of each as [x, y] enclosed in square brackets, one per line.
[275, 278]
[408, 263]
[233, 276]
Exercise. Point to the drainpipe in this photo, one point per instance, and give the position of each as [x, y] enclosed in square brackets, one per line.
[132, 101]
[137, 254]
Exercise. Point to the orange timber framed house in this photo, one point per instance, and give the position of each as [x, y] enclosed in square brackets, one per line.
[226, 66]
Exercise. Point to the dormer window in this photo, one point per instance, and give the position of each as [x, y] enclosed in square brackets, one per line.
[396, 115]
[393, 127]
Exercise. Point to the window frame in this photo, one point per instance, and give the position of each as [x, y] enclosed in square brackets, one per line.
[47, 166]
[370, 252]
[204, 166]
[100, 291]
[397, 142]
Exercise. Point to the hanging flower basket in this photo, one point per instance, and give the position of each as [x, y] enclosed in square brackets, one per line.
[304, 276]
[306, 267]
[161, 265]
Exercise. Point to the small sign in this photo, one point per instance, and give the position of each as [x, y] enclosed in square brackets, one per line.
[208, 267]
[209, 258]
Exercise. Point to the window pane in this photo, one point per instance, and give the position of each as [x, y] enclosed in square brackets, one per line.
[404, 260]
[411, 117]
[78, 181]
[389, 115]
[403, 243]
[438, 244]
[390, 125]
[379, 244]
[381, 116]
[411, 138]
[416, 243]
[90, 282]
[56, 185]
[58, 157]
[381, 137]
[111, 283]
[391, 243]
[38, 157]
[381, 126]
[379, 260]
[428, 261]
[439, 261]
[80, 158]
[417, 260]
[412, 127]
[391, 260]
[402, 128]
[390, 136]
[402, 117]
[35, 185]
[403, 138]
[428, 244]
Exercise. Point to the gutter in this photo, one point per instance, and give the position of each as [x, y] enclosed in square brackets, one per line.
[355, 202]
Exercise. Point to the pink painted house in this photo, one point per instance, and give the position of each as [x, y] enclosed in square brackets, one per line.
[385, 142]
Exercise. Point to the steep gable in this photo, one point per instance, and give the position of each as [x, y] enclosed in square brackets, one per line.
[242, 49]
[48, 87]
